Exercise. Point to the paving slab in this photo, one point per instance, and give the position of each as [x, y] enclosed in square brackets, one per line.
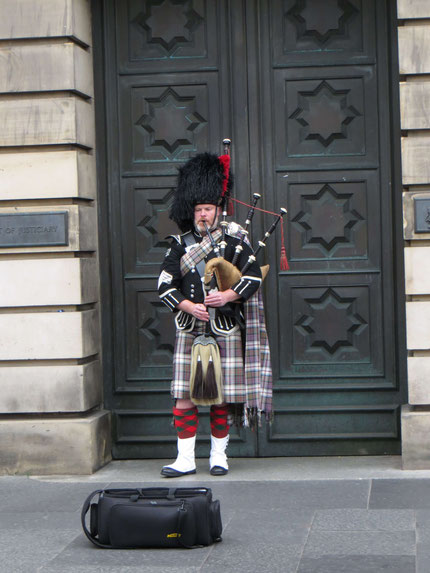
[358, 564]
[422, 564]
[261, 496]
[20, 494]
[423, 543]
[364, 520]
[43, 520]
[423, 518]
[23, 550]
[400, 494]
[258, 556]
[360, 543]
[117, 569]
[80, 553]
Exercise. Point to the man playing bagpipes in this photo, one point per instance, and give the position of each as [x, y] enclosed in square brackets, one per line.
[221, 355]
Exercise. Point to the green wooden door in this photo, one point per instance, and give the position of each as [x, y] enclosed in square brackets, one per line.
[302, 88]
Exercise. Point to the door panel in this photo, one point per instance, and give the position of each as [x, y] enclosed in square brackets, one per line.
[325, 119]
[311, 32]
[170, 80]
[332, 215]
[336, 371]
[162, 124]
[302, 88]
[331, 326]
[161, 37]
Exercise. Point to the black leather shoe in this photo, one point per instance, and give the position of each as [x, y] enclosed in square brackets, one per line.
[171, 473]
[218, 471]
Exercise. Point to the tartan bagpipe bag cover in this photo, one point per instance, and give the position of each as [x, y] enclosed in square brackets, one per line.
[152, 517]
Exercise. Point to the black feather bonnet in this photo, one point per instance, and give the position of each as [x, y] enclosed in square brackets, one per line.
[200, 180]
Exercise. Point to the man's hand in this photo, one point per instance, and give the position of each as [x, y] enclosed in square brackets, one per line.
[200, 312]
[218, 298]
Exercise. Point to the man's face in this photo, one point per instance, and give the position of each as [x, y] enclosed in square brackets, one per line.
[205, 212]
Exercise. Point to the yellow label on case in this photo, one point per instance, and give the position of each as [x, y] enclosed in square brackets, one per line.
[174, 535]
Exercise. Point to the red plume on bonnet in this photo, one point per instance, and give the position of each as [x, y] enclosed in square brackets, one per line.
[225, 162]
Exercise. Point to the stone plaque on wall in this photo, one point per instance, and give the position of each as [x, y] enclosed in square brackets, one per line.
[422, 214]
[34, 229]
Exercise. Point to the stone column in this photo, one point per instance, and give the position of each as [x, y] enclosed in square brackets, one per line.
[51, 419]
[414, 63]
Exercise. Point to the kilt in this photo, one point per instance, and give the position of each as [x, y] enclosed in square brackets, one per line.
[230, 349]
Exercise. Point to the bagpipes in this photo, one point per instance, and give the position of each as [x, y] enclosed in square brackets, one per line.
[220, 274]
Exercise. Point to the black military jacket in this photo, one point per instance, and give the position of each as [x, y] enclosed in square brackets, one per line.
[173, 288]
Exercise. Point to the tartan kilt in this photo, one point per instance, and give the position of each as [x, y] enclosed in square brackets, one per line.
[230, 349]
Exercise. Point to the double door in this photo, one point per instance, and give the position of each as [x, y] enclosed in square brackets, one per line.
[303, 88]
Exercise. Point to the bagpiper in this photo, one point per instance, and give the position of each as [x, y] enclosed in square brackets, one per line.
[236, 380]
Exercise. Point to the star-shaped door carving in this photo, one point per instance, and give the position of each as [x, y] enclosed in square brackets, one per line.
[169, 23]
[327, 218]
[331, 323]
[321, 25]
[155, 224]
[324, 114]
[157, 333]
[171, 123]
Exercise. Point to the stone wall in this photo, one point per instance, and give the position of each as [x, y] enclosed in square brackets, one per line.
[414, 64]
[51, 419]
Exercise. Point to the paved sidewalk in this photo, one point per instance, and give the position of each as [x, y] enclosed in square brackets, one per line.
[289, 515]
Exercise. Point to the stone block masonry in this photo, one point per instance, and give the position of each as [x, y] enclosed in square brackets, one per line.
[51, 414]
[414, 67]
